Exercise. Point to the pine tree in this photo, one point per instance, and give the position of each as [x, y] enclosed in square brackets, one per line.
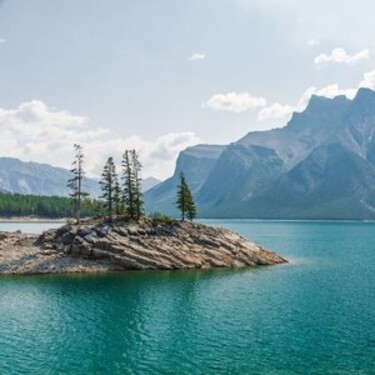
[181, 196]
[136, 171]
[191, 211]
[117, 200]
[108, 185]
[75, 183]
[129, 185]
[185, 201]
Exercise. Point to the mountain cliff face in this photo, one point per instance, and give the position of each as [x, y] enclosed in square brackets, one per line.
[320, 165]
[196, 162]
[21, 177]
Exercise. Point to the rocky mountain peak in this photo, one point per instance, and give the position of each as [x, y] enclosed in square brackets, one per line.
[280, 173]
[364, 103]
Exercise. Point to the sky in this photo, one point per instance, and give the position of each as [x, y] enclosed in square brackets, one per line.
[162, 75]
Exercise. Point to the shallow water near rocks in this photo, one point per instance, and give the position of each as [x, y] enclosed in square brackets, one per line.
[29, 226]
[314, 315]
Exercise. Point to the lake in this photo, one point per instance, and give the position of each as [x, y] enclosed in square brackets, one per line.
[29, 226]
[312, 316]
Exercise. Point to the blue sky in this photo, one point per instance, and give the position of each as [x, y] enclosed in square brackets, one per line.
[160, 75]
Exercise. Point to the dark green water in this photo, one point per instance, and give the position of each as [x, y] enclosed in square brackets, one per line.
[314, 316]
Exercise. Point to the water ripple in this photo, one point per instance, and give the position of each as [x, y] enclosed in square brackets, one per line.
[314, 316]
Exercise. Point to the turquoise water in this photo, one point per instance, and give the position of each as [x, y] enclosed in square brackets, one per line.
[313, 316]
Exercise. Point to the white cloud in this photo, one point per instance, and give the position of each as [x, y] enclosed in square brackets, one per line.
[38, 133]
[275, 111]
[197, 56]
[234, 102]
[304, 99]
[329, 91]
[368, 80]
[313, 42]
[340, 56]
[2, 40]
[334, 90]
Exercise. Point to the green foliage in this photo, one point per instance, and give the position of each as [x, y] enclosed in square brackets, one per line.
[34, 205]
[118, 202]
[123, 200]
[191, 211]
[128, 185]
[75, 182]
[185, 201]
[138, 201]
[181, 196]
[95, 207]
[132, 189]
[109, 186]
[161, 219]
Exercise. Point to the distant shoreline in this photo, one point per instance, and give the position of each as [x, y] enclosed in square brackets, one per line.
[31, 220]
[26, 219]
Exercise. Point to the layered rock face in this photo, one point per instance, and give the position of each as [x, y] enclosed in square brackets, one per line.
[21, 255]
[120, 246]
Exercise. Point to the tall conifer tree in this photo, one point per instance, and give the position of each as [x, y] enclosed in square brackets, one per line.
[119, 207]
[129, 188]
[191, 211]
[185, 201]
[75, 183]
[109, 184]
[132, 184]
[136, 171]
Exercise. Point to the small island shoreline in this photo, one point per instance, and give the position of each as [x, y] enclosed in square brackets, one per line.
[101, 247]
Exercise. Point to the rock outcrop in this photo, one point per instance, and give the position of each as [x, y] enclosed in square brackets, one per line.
[126, 246]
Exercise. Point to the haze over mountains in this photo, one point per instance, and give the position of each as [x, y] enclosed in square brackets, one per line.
[21, 177]
[17, 176]
[321, 165]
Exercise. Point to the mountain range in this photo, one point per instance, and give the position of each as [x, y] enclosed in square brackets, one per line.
[321, 165]
[17, 176]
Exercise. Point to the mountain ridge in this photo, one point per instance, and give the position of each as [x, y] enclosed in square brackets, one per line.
[321, 165]
[17, 176]
[29, 177]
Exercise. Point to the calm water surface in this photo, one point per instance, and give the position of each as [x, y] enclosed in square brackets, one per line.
[313, 316]
[28, 226]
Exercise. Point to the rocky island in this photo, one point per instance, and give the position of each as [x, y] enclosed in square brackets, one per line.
[119, 245]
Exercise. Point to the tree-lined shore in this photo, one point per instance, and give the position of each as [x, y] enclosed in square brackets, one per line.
[121, 195]
[18, 205]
